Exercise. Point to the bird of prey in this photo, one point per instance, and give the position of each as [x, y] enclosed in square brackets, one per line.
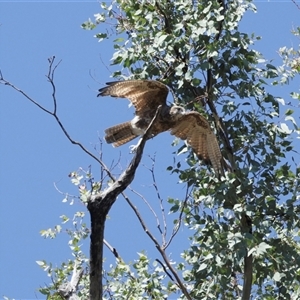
[146, 96]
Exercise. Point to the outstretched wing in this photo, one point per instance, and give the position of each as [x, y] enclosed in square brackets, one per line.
[195, 129]
[145, 95]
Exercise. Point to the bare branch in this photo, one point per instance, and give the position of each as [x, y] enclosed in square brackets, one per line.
[149, 206]
[159, 248]
[50, 77]
[68, 290]
[99, 205]
[66, 195]
[297, 5]
[5, 82]
[164, 233]
[176, 229]
[112, 249]
[165, 269]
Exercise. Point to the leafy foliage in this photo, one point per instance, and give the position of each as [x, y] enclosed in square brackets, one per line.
[139, 281]
[244, 227]
[60, 274]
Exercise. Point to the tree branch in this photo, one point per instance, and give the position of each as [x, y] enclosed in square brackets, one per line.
[99, 206]
[177, 226]
[112, 249]
[165, 269]
[68, 290]
[149, 206]
[50, 78]
[160, 250]
[154, 183]
[246, 226]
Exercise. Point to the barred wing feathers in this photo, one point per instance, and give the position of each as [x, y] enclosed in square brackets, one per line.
[119, 134]
[195, 129]
[145, 95]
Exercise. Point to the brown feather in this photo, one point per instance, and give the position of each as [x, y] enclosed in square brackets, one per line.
[195, 129]
[119, 134]
[145, 95]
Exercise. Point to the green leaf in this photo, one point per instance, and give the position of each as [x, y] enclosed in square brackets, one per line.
[285, 128]
[101, 36]
[203, 266]
[289, 112]
[290, 118]
[40, 262]
[262, 249]
[277, 276]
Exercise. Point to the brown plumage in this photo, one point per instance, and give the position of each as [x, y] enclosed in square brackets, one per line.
[119, 134]
[146, 96]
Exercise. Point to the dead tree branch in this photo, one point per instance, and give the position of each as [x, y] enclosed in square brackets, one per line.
[165, 269]
[160, 201]
[112, 249]
[178, 224]
[50, 78]
[99, 206]
[297, 5]
[149, 206]
[160, 250]
[68, 290]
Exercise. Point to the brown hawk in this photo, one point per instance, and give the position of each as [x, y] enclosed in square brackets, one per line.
[146, 96]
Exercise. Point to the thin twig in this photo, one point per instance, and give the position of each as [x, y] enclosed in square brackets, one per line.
[297, 5]
[149, 206]
[161, 251]
[178, 225]
[50, 77]
[102, 177]
[112, 249]
[165, 269]
[67, 195]
[160, 201]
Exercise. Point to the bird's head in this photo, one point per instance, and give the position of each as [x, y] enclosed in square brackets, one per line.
[177, 111]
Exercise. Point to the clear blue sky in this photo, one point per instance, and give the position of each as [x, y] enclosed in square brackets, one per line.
[34, 152]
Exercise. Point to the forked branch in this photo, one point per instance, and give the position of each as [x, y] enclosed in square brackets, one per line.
[50, 78]
[99, 204]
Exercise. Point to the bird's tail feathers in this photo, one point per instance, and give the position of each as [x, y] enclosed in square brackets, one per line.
[119, 134]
